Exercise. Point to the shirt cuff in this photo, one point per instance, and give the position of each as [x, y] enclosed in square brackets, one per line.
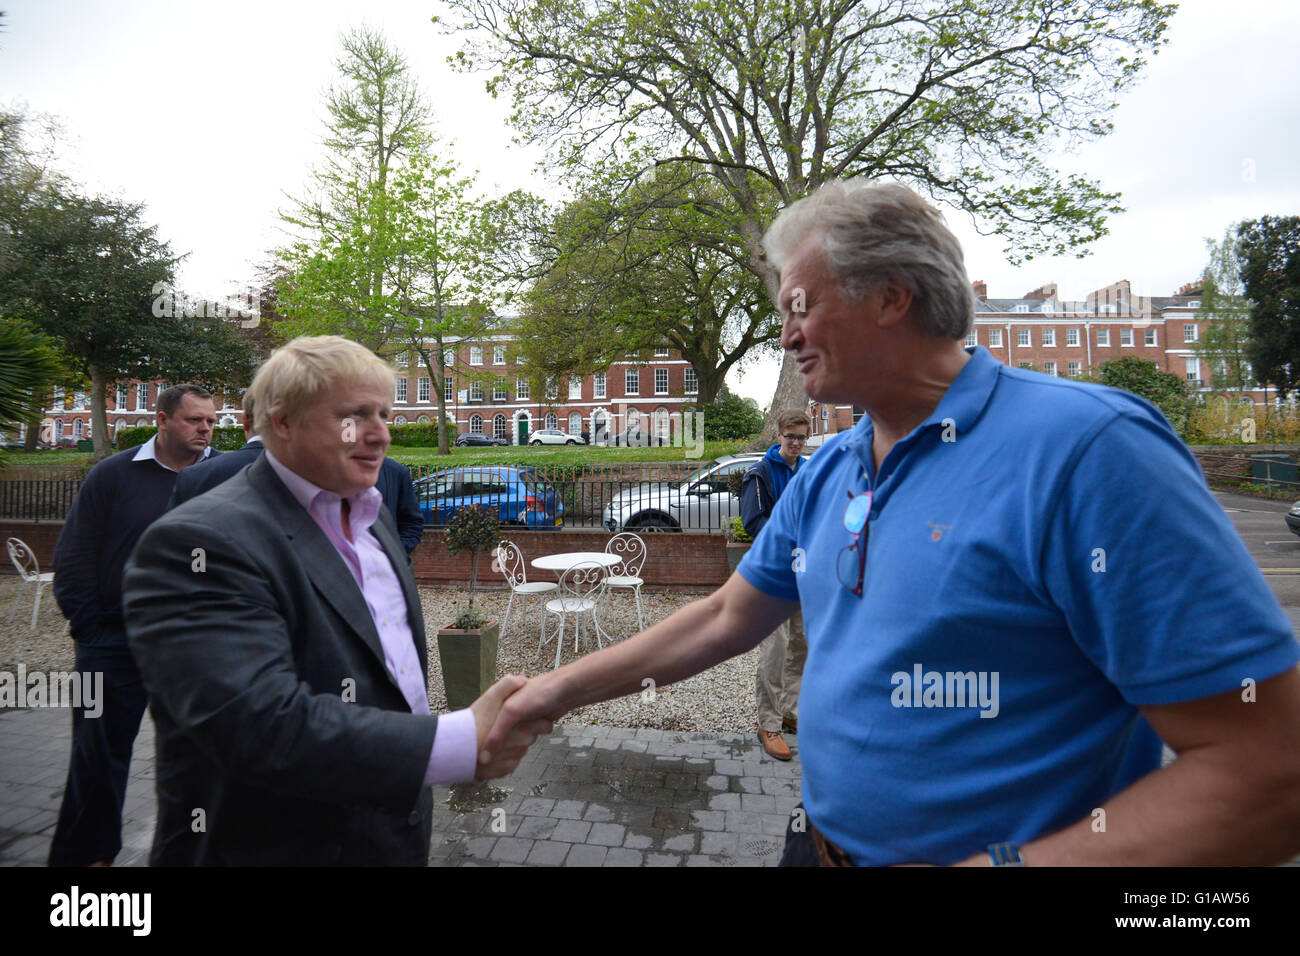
[454, 758]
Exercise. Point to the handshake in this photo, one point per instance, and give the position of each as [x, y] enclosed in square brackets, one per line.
[509, 717]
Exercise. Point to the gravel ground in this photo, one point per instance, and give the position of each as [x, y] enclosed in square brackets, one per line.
[720, 700]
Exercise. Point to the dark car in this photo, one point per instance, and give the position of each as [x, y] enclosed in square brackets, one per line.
[517, 495]
[1293, 518]
[478, 438]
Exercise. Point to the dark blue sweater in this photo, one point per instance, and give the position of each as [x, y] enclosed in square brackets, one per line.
[119, 499]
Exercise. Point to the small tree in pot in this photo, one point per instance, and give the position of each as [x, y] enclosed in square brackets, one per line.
[468, 649]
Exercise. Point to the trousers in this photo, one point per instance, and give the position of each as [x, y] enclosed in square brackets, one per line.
[780, 673]
[90, 818]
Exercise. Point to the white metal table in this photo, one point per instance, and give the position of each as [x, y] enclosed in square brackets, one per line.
[561, 563]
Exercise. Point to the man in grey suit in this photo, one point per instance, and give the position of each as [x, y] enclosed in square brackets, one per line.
[277, 626]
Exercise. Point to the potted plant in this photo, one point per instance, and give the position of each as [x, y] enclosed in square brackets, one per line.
[738, 542]
[468, 648]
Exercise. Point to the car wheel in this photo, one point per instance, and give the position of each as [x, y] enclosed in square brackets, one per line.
[571, 442]
[654, 523]
[534, 443]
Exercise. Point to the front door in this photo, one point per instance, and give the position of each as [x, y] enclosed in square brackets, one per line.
[523, 431]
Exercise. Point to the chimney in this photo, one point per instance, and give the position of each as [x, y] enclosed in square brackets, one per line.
[981, 290]
[1192, 288]
[1042, 293]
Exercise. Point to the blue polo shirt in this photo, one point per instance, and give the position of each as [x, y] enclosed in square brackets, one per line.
[1043, 557]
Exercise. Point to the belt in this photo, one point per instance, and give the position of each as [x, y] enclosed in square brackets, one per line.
[827, 852]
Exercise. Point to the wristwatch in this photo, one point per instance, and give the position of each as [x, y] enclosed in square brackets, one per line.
[1005, 854]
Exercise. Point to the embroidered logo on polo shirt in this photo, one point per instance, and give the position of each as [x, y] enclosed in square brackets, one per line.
[937, 530]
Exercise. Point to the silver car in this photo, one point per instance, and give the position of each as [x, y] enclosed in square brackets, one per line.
[701, 502]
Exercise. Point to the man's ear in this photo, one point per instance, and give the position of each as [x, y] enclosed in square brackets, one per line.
[895, 302]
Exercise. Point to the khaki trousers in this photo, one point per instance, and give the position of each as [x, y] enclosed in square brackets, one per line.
[780, 673]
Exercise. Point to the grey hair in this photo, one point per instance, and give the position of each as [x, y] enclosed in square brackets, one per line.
[875, 234]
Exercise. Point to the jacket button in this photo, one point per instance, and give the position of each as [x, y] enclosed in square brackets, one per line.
[414, 818]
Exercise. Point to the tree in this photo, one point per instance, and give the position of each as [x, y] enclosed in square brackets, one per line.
[86, 272]
[777, 97]
[1269, 252]
[642, 271]
[30, 362]
[1226, 314]
[1146, 379]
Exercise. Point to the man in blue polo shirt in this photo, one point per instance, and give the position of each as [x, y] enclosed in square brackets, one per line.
[1003, 571]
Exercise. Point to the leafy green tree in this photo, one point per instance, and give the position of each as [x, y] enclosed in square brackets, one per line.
[1269, 252]
[30, 362]
[642, 271]
[1146, 379]
[86, 272]
[1226, 314]
[773, 98]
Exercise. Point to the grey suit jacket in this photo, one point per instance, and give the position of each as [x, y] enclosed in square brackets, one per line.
[282, 739]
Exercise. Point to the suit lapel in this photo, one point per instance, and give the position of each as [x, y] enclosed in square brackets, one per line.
[324, 565]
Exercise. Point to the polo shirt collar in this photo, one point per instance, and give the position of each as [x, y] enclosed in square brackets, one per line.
[146, 452]
[964, 403]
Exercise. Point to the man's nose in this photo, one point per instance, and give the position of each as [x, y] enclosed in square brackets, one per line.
[790, 337]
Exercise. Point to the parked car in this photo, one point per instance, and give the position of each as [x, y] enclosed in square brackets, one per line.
[553, 436]
[517, 494]
[478, 438]
[1293, 518]
[701, 502]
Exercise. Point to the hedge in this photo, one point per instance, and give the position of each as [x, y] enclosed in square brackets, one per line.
[223, 439]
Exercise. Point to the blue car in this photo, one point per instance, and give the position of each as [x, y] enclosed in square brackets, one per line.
[517, 494]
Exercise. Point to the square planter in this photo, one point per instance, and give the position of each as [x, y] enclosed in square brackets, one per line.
[469, 662]
[735, 551]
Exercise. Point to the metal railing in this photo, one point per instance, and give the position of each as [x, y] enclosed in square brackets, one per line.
[1279, 476]
[30, 493]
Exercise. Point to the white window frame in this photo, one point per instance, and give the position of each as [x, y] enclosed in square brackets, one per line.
[661, 351]
[1149, 338]
[1049, 338]
[552, 421]
[1022, 339]
[661, 381]
[995, 338]
[632, 381]
[1103, 337]
[476, 424]
[500, 393]
[1190, 334]
[399, 391]
[400, 360]
[123, 393]
[498, 355]
[1075, 369]
[692, 380]
[575, 386]
[972, 338]
[448, 389]
[422, 390]
[1126, 334]
[522, 389]
[476, 355]
[598, 385]
[1049, 368]
[552, 389]
[1071, 338]
[476, 391]
[500, 427]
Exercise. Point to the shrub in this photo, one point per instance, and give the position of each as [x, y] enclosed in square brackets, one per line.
[736, 531]
[729, 417]
[473, 529]
[418, 434]
[130, 437]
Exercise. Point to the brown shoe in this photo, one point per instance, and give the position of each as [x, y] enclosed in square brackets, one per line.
[774, 744]
[790, 725]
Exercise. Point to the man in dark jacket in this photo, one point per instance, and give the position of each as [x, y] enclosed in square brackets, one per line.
[121, 497]
[782, 653]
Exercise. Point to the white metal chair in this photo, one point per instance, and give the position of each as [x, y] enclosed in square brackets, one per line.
[510, 561]
[25, 561]
[627, 573]
[580, 592]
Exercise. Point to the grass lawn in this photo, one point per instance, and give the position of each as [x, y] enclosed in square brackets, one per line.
[508, 456]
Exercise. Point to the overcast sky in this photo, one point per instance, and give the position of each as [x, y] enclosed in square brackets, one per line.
[209, 113]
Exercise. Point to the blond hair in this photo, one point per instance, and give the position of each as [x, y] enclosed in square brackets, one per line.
[300, 373]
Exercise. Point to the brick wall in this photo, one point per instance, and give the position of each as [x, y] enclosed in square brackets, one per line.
[672, 560]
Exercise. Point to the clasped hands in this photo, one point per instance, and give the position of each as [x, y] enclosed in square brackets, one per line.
[510, 715]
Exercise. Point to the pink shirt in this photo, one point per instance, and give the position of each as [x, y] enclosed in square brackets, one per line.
[454, 757]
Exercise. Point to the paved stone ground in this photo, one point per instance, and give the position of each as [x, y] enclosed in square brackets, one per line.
[586, 796]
